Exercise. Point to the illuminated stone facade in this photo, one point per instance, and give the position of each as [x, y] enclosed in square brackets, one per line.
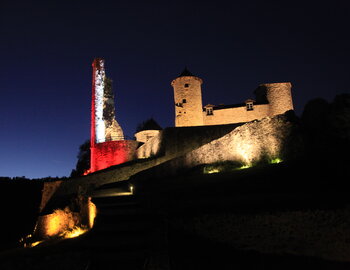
[145, 135]
[108, 147]
[104, 127]
[247, 144]
[188, 100]
[152, 143]
[265, 140]
[113, 131]
[271, 99]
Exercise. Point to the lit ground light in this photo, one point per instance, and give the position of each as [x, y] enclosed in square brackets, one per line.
[210, 169]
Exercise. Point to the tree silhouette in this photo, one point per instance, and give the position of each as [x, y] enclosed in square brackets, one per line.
[149, 124]
[327, 129]
[83, 163]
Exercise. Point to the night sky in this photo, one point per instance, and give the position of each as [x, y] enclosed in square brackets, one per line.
[47, 49]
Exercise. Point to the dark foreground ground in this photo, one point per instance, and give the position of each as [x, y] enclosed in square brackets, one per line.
[19, 204]
[186, 251]
[214, 222]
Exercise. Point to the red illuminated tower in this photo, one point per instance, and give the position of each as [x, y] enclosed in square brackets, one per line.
[108, 146]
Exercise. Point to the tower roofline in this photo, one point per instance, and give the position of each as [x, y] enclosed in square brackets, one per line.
[186, 72]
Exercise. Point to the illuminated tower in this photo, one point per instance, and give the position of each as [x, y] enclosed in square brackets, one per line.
[188, 100]
[107, 138]
[104, 127]
[97, 123]
[277, 95]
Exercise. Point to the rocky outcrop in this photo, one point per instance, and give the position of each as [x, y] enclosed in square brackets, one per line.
[268, 139]
[249, 143]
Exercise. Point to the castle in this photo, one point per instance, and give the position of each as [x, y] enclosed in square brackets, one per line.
[108, 146]
[271, 99]
[203, 137]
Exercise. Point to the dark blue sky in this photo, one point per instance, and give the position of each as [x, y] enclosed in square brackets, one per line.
[47, 49]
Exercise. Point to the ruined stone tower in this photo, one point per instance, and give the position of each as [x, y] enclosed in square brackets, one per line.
[188, 100]
[107, 145]
[277, 95]
[104, 126]
[113, 130]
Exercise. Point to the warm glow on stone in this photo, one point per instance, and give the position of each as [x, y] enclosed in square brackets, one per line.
[247, 152]
[92, 213]
[62, 222]
[77, 231]
[34, 244]
[54, 223]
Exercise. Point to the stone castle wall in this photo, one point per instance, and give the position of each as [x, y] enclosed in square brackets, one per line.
[279, 96]
[145, 135]
[172, 142]
[151, 147]
[271, 99]
[104, 155]
[169, 144]
[236, 115]
[249, 143]
[246, 144]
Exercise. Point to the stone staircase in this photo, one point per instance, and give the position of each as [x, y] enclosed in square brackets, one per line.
[126, 235]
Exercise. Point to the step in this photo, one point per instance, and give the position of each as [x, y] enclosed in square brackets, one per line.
[126, 217]
[114, 199]
[120, 233]
[98, 264]
[123, 226]
[121, 255]
[109, 211]
[112, 192]
[116, 249]
[118, 242]
[116, 225]
[121, 184]
[116, 204]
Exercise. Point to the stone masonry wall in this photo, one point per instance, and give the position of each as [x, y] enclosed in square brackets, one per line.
[188, 89]
[236, 115]
[151, 147]
[172, 142]
[145, 135]
[106, 154]
[247, 144]
[279, 96]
